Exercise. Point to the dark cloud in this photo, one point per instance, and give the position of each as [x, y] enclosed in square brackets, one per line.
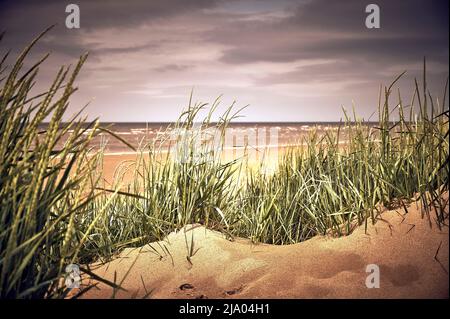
[418, 17]
[98, 13]
[335, 29]
[23, 20]
[314, 29]
[292, 52]
[370, 49]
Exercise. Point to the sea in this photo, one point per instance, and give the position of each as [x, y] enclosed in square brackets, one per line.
[261, 134]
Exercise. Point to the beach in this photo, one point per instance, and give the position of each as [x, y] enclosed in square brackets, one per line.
[411, 253]
[212, 150]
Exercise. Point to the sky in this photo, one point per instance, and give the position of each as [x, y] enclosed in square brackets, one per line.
[289, 60]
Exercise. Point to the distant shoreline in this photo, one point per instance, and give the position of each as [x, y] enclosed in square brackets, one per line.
[334, 123]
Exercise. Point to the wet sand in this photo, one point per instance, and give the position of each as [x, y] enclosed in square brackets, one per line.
[117, 163]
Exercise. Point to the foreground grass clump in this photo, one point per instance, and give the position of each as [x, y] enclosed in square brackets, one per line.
[43, 187]
[328, 186]
[167, 193]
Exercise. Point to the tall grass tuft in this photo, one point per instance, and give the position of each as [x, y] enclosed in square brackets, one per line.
[328, 186]
[44, 187]
[167, 192]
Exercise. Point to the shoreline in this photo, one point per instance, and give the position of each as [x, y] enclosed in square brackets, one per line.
[229, 148]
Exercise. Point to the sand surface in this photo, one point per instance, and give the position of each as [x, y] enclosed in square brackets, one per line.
[124, 164]
[411, 255]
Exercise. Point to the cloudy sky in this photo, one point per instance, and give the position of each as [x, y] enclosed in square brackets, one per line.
[290, 60]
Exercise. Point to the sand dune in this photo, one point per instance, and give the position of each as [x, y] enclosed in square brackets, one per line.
[412, 258]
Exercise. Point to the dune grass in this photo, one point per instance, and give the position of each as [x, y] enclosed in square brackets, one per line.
[322, 187]
[55, 208]
[328, 187]
[43, 188]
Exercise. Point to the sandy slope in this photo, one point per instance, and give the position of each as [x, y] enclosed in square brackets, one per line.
[403, 245]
